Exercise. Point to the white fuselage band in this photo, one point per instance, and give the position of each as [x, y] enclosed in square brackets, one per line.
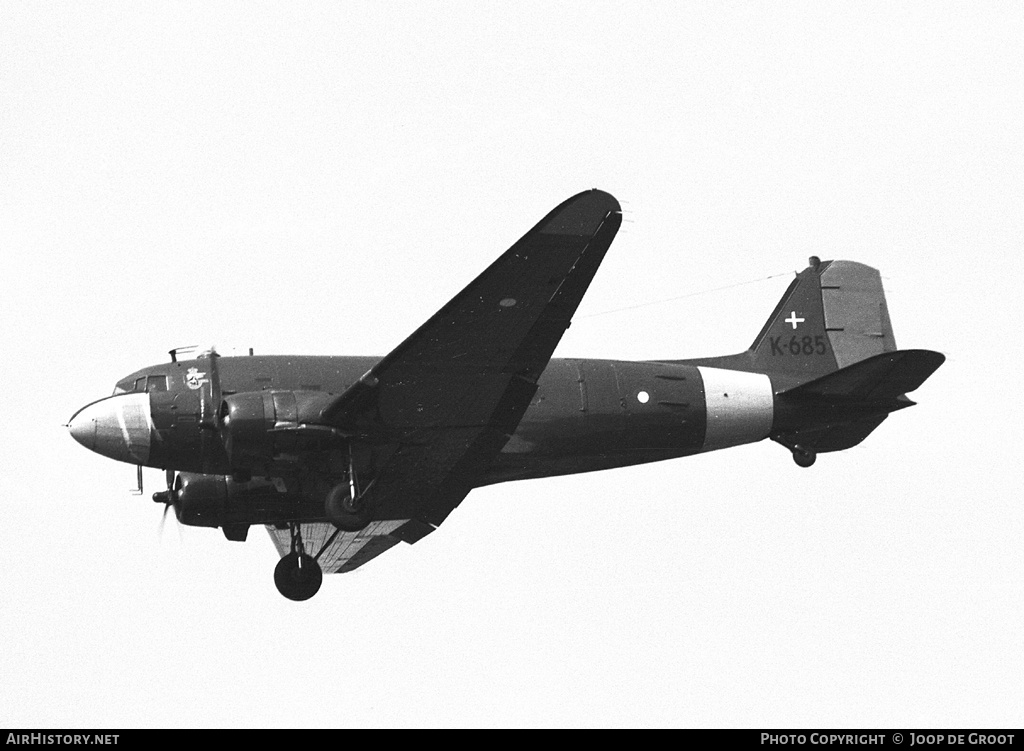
[740, 407]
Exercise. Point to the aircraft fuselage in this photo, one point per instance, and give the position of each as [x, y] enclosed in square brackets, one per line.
[587, 414]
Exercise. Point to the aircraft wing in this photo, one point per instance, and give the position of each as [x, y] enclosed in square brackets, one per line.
[347, 551]
[436, 410]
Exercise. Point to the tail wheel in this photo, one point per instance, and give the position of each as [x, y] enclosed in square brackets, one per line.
[803, 457]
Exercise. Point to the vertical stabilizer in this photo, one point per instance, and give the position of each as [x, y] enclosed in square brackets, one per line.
[832, 315]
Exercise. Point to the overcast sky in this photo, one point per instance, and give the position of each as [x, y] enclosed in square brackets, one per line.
[319, 178]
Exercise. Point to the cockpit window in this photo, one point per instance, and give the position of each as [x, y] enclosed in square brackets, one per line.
[156, 383]
[140, 384]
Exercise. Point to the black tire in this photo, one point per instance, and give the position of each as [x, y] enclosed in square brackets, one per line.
[803, 457]
[298, 576]
[342, 513]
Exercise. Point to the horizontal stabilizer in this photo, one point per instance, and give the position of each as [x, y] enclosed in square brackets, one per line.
[838, 437]
[882, 377]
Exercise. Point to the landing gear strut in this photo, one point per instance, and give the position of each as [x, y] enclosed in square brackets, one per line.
[803, 457]
[347, 505]
[345, 512]
[298, 576]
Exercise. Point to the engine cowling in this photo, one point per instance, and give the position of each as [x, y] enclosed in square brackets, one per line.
[219, 501]
[199, 500]
[257, 426]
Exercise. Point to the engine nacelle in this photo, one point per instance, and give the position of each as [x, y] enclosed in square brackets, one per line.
[219, 501]
[257, 426]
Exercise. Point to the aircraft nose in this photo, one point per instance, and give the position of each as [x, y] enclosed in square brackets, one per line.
[118, 427]
[83, 428]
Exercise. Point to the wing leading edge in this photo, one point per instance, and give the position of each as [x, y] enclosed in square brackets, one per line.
[432, 414]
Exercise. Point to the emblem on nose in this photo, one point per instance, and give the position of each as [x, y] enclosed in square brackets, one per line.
[194, 378]
[118, 427]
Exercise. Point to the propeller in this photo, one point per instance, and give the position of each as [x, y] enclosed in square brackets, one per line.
[210, 396]
[168, 497]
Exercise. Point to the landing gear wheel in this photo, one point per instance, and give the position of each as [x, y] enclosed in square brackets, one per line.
[803, 457]
[343, 512]
[298, 576]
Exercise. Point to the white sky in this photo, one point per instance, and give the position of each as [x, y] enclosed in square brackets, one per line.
[318, 178]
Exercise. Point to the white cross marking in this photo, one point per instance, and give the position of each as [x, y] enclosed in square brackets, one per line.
[793, 319]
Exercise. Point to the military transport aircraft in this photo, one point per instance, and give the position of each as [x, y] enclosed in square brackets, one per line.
[343, 457]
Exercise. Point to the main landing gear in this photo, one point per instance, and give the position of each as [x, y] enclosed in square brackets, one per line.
[298, 576]
[347, 505]
[345, 512]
